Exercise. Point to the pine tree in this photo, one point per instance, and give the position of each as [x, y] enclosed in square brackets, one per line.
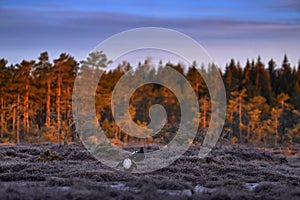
[255, 109]
[273, 79]
[237, 104]
[285, 78]
[24, 79]
[4, 76]
[44, 73]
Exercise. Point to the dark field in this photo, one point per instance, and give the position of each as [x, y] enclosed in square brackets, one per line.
[46, 171]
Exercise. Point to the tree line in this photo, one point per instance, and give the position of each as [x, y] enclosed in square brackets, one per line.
[36, 99]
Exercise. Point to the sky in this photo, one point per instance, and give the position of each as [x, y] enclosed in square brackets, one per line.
[238, 29]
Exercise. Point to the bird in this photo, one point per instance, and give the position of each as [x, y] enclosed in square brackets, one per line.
[138, 156]
[129, 164]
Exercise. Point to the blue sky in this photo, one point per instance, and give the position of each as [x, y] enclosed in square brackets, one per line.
[226, 29]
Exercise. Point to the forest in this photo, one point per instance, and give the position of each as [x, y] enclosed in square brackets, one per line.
[263, 106]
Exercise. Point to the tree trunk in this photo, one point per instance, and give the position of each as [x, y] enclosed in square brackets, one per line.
[231, 124]
[276, 131]
[14, 121]
[48, 102]
[204, 113]
[240, 117]
[3, 123]
[18, 119]
[117, 133]
[259, 136]
[2, 117]
[26, 109]
[248, 134]
[58, 99]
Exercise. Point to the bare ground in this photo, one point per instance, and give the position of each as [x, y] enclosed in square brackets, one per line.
[47, 171]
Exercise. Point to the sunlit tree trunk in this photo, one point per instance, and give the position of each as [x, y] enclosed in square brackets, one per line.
[26, 109]
[48, 102]
[58, 98]
[18, 119]
[204, 113]
[275, 116]
[14, 120]
[205, 109]
[281, 99]
[3, 122]
[14, 113]
[2, 117]
[259, 135]
[240, 118]
[117, 133]
[248, 133]
[276, 130]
